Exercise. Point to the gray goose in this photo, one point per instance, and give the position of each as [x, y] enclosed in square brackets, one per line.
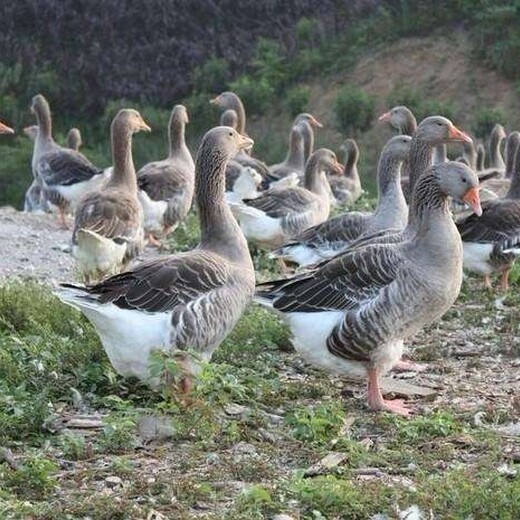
[34, 199]
[500, 181]
[294, 162]
[307, 122]
[492, 241]
[66, 175]
[108, 227]
[351, 315]
[403, 120]
[481, 158]
[166, 187]
[188, 301]
[346, 188]
[333, 236]
[278, 215]
[498, 134]
[230, 101]
[74, 141]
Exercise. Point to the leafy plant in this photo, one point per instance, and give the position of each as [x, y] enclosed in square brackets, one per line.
[353, 109]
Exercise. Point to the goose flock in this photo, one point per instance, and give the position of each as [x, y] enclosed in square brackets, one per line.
[356, 286]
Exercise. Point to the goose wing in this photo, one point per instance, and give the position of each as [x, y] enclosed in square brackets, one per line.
[65, 167]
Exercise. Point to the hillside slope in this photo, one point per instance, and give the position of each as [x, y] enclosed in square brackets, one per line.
[438, 67]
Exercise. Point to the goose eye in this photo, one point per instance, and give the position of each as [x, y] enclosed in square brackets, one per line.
[464, 180]
[439, 123]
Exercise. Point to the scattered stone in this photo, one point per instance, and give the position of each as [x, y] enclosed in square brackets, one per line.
[244, 448]
[512, 429]
[234, 409]
[283, 517]
[326, 464]
[507, 471]
[404, 389]
[155, 428]
[114, 481]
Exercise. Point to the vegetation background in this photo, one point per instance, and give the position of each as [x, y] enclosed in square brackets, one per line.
[281, 57]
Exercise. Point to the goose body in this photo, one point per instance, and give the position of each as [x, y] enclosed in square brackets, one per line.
[108, 226]
[346, 188]
[282, 213]
[333, 236]
[187, 301]
[352, 314]
[245, 186]
[166, 187]
[66, 175]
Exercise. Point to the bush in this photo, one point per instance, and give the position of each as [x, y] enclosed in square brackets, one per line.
[256, 94]
[485, 120]
[297, 99]
[212, 76]
[353, 109]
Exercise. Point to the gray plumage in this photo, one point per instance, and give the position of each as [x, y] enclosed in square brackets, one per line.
[346, 188]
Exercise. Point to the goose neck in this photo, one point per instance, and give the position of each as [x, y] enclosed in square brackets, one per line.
[124, 170]
[420, 159]
[496, 159]
[295, 155]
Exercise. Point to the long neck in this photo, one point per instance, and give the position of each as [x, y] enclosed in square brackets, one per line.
[219, 229]
[238, 107]
[429, 207]
[481, 158]
[43, 116]
[440, 154]
[124, 170]
[312, 180]
[514, 187]
[410, 125]
[176, 135]
[351, 159]
[390, 194]
[295, 156]
[511, 149]
[495, 155]
[308, 139]
[470, 155]
[419, 158]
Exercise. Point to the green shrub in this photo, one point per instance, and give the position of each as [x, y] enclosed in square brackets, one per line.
[485, 120]
[297, 99]
[257, 94]
[353, 109]
[212, 76]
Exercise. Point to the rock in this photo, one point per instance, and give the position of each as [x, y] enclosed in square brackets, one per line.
[243, 448]
[155, 428]
[236, 409]
[113, 481]
[283, 517]
[326, 463]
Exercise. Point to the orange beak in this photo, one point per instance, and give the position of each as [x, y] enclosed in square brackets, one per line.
[384, 117]
[245, 143]
[473, 199]
[337, 168]
[316, 123]
[457, 135]
[214, 101]
[4, 129]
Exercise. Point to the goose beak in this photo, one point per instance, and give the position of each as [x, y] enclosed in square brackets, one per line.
[144, 127]
[337, 168]
[384, 117]
[4, 129]
[472, 198]
[457, 135]
[245, 143]
[316, 123]
[214, 101]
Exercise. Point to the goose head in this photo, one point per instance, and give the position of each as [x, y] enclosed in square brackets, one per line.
[4, 129]
[437, 130]
[227, 141]
[459, 181]
[31, 132]
[40, 105]
[399, 117]
[180, 114]
[307, 118]
[499, 131]
[398, 147]
[130, 119]
[74, 140]
[229, 118]
[326, 161]
[225, 100]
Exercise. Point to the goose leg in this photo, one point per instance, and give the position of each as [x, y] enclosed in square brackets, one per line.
[284, 267]
[404, 365]
[487, 282]
[63, 222]
[375, 397]
[153, 241]
[504, 280]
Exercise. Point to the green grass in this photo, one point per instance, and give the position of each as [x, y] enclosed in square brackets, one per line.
[251, 464]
